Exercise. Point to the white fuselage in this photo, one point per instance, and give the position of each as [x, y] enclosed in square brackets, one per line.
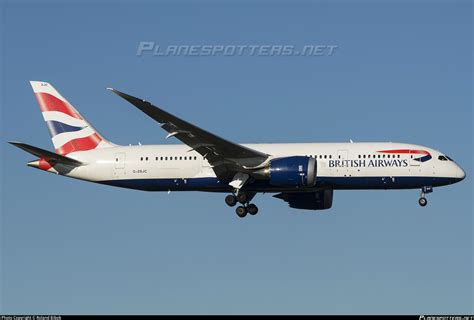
[339, 166]
[304, 175]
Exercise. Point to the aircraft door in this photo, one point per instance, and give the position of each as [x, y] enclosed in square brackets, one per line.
[412, 158]
[119, 164]
[343, 167]
[342, 154]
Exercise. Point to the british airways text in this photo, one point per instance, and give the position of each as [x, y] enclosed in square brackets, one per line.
[376, 163]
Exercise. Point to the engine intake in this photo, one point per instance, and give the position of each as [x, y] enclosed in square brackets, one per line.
[296, 171]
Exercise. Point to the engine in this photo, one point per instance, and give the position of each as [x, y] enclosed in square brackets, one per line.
[309, 200]
[296, 171]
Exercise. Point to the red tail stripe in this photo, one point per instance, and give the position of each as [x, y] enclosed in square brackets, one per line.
[44, 165]
[80, 144]
[49, 102]
[404, 151]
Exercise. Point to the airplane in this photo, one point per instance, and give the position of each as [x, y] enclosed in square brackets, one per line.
[304, 175]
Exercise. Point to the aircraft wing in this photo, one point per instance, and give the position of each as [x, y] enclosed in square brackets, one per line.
[226, 158]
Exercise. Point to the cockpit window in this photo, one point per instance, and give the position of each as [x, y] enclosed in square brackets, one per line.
[442, 158]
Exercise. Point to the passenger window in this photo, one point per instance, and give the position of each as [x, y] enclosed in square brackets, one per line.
[141, 159]
[180, 158]
[161, 158]
[364, 156]
[156, 158]
[325, 156]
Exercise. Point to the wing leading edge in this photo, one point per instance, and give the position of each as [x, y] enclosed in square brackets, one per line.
[226, 158]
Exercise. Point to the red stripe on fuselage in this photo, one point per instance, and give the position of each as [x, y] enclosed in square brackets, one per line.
[49, 102]
[80, 144]
[404, 151]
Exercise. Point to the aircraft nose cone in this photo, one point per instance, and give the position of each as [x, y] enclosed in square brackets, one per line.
[461, 174]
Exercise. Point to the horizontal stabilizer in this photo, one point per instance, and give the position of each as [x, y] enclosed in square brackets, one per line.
[45, 154]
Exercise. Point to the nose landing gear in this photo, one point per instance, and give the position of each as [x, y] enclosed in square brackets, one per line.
[422, 201]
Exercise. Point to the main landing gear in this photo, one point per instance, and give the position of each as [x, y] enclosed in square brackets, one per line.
[243, 198]
[422, 201]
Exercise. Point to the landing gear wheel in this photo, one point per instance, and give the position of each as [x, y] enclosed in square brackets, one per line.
[252, 209]
[241, 211]
[230, 200]
[422, 201]
[242, 197]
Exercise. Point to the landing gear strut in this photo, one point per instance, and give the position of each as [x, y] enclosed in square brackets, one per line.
[242, 197]
[422, 201]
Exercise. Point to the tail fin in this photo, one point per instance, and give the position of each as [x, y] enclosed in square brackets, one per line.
[70, 132]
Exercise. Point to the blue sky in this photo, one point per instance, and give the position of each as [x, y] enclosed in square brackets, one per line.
[401, 72]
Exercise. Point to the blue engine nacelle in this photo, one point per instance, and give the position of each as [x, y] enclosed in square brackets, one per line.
[297, 171]
[319, 200]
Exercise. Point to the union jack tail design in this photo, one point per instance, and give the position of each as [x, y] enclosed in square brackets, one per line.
[69, 131]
